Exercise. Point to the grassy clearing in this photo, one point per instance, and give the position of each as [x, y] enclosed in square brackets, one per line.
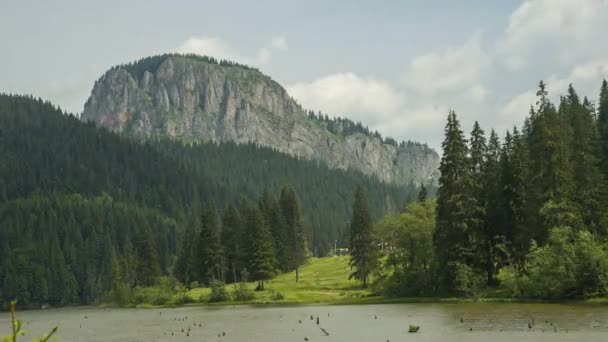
[322, 280]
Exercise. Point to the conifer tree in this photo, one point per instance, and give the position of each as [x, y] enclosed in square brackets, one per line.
[232, 242]
[209, 248]
[185, 265]
[148, 266]
[422, 194]
[295, 237]
[362, 249]
[456, 217]
[261, 255]
[584, 158]
[602, 124]
[550, 176]
[494, 233]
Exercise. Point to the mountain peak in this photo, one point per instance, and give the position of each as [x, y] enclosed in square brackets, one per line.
[200, 98]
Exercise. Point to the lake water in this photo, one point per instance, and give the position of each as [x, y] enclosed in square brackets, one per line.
[438, 322]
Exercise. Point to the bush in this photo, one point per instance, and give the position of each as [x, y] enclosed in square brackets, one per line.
[242, 292]
[218, 291]
[467, 282]
[276, 295]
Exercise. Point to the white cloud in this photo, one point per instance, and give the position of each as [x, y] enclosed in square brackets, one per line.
[586, 79]
[562, 31]
[279, 43]
[215, 47]
[361, 98]
[455, 68]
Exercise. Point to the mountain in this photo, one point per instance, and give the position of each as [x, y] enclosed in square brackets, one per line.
[198, 98]
[46, 152]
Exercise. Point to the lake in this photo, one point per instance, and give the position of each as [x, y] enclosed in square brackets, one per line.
[388, 322]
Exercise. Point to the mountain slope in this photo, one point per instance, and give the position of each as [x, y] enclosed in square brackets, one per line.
[197, 98]
[44, 152]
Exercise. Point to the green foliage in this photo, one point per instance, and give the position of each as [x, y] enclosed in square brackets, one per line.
[410, 261]
[241, 290]
[276, 295]
[458, 211]
[137, 198]
[218, 291]
[362, 244]
[16, 327]
[571, 265]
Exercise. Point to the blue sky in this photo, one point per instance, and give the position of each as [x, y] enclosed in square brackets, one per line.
[398, 66]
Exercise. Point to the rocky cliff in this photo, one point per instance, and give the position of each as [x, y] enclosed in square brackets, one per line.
[197, 98]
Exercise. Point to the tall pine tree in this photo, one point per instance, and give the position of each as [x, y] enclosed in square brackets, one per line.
[456, 216]
[209, 248]
[362, 249]
[295, 235]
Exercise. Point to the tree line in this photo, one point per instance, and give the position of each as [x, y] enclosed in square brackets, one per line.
[526, 214]
[73, 195]
[253, 242]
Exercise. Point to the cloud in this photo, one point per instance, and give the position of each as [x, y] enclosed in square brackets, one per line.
[215, 47]
[362, 98]
[279, 43]
[562, 31]
[454, 68]
[586, 79]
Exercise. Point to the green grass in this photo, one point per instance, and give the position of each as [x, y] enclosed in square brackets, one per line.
[322, 280]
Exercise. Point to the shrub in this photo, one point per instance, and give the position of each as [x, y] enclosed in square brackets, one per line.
[218, 291]
[276, 295]
[242, 292]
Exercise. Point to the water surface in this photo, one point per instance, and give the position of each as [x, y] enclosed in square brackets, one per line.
[389, 322]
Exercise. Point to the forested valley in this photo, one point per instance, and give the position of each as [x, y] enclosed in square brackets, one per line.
[84, 211]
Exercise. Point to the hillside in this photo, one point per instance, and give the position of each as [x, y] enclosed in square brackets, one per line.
[196, 98]
[48, 157]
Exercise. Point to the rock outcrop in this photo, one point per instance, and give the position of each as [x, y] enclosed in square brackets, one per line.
[196, 98]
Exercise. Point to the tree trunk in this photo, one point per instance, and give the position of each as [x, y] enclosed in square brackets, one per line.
[297, 274]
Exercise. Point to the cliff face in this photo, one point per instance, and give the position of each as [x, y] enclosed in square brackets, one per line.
[194, 99]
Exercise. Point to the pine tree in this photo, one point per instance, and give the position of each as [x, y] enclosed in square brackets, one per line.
[260, 252]
[422, 194]
[480, 239]
[512, 196]
[362, 249]
[494, 234]
[209, 248]
[232, 241]
[456, 217]
[295, 236]
[602, 123]
[147, 264]
[273, 215]
[185, 268]
[549, 180]
[584, 158]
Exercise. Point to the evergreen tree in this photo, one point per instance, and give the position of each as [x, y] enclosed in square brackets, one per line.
[602, 124]
[297, 248]
[494, 233]
[456, 217]
[209, 248]
[422, 194]
[147, 264]
[550, 175]
[362, 249]
[584, 158]
[232, 241]
[185, 265]
[261, 255]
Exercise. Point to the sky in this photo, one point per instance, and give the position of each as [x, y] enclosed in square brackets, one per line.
[396, 66]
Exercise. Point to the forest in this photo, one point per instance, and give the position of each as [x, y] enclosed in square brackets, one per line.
[524, 216]
[75, 198]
